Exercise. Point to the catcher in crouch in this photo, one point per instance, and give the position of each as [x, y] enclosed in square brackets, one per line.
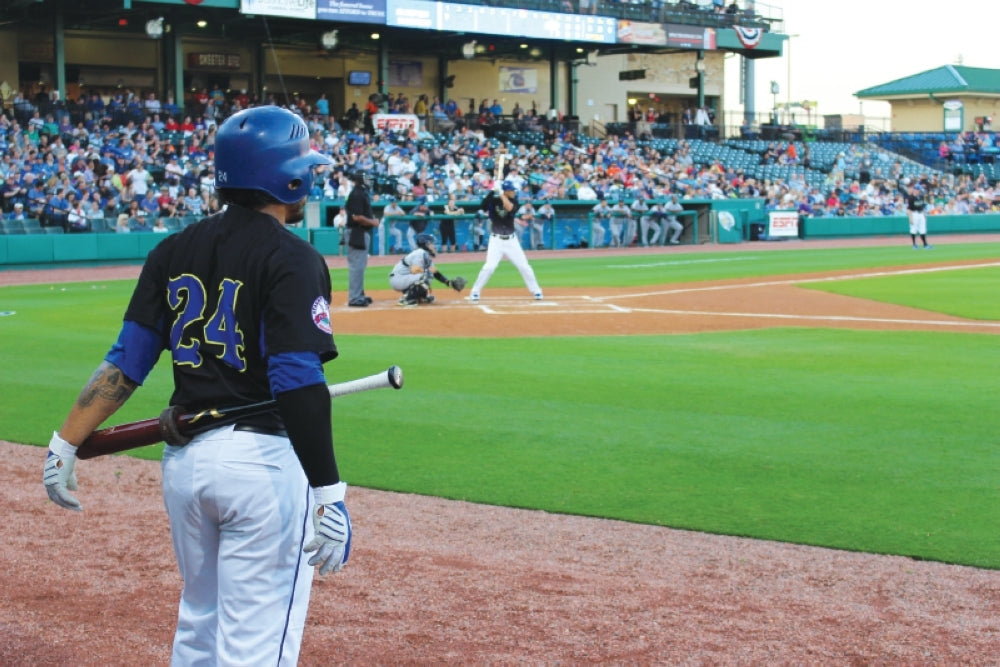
[412, 274]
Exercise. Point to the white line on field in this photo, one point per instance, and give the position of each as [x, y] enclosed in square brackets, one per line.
[796, 281]
[681, 262]
[830, 318]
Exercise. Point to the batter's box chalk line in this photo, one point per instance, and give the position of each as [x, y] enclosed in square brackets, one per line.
[553, 308]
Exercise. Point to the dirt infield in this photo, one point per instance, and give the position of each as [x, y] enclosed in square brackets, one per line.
[441, 582]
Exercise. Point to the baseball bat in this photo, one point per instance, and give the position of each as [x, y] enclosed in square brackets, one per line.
[498, 173]
[150, 431]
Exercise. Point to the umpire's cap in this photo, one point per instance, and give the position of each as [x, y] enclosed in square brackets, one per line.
[266, 148]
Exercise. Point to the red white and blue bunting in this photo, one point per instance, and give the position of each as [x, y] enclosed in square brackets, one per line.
[749, 37]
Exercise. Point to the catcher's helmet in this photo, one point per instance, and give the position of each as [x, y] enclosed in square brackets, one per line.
[266, 148]
[427, 242]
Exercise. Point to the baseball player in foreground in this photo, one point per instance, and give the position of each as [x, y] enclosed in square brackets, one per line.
[501, 207]
[242, 306]
[412, 275]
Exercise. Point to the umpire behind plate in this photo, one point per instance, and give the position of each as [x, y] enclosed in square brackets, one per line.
[412, 275]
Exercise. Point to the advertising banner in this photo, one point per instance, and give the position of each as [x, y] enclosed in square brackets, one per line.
[395, 122]
[518, 80]
[294, 9]
[783, 224]
[354, 11]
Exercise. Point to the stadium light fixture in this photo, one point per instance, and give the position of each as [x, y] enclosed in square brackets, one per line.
[329, 39]
[154, 28]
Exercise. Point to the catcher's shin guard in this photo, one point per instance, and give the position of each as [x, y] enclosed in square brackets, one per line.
[416, 292]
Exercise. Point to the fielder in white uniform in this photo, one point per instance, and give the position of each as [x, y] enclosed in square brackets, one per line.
[392, 210]
[599, 214]
[620, 216]
[671, 225]
[647, 220]
[546, 215]
[501, 207]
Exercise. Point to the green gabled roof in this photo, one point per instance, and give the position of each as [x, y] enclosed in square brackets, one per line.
[948, 79]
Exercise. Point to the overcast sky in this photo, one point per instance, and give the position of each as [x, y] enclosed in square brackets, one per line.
[844, 46]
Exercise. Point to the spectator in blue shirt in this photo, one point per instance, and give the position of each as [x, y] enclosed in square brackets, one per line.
[55, 210]
[150, 205]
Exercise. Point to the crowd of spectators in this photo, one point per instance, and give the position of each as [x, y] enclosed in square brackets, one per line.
[156, 161]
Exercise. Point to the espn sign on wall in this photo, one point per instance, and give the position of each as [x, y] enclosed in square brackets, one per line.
[783, 224]
[401, 123]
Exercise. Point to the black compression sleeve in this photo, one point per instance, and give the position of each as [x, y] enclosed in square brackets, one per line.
[440, 276]
[306, 413]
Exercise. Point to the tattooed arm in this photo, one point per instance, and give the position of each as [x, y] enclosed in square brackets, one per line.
[105, 392]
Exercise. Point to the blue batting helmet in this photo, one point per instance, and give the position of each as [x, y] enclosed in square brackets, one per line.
[508, 185]
[266, 148]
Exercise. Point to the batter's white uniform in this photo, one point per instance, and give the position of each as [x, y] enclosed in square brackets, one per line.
[503, 245]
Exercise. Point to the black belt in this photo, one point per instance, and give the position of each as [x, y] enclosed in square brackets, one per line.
[262, 430]
[504, 237]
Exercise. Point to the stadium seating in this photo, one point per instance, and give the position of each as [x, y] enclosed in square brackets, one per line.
[32, 226]
[12, 226]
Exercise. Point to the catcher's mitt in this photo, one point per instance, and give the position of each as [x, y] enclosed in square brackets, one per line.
[458, 283]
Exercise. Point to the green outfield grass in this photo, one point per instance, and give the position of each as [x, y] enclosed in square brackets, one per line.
[882, 442]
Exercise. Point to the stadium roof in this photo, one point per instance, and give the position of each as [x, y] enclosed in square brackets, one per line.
[950, 79]
[224, 20]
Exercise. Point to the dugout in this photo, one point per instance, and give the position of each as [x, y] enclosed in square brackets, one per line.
[572, 228]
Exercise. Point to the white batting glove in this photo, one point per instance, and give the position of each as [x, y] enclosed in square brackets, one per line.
[498, 187]
[59, 475]
[332, 524]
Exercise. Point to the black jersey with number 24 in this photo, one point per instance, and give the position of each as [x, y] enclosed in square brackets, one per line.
[226, 293]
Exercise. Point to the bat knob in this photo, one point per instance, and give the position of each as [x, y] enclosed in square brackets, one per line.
[395, 376]
[170, 427]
